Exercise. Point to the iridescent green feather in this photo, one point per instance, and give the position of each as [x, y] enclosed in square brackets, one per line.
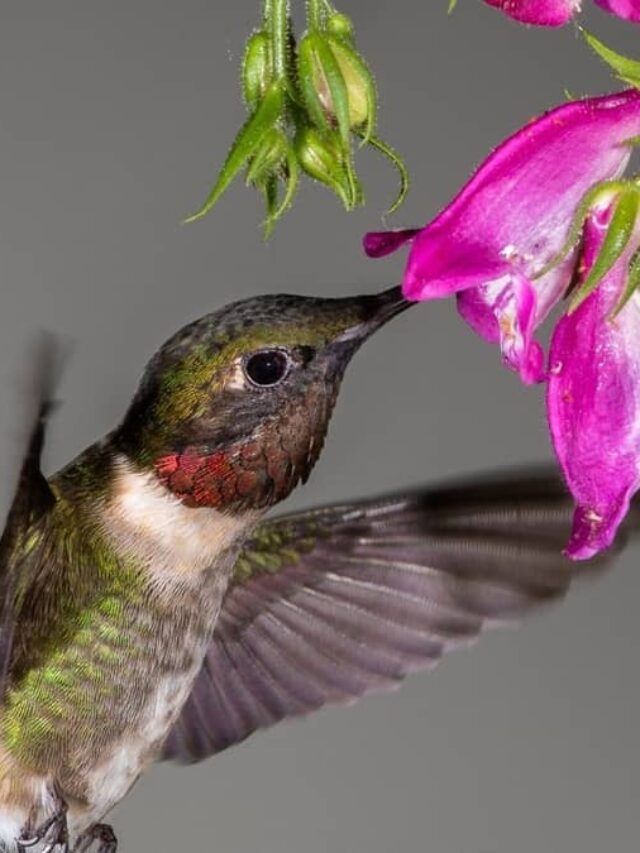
[72, 632]
[272, 547]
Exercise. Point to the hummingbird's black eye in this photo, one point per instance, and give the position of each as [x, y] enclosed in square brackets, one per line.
[267, 367]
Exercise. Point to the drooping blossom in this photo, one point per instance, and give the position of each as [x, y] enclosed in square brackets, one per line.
[627, 9]
[497, 244]
[544, 13]
[556, 13]
[593, 394]
[510, 246]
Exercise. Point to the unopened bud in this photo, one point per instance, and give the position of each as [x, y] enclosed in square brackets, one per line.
[340, 26]
[256, 69]
[320, 155]
[359, 83]
[336, 84]
[269, 157]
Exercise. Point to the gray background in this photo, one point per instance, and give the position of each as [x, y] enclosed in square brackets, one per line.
[113, 119]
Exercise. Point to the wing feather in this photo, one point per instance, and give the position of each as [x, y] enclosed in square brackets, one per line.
[32, 499]
[329, 605]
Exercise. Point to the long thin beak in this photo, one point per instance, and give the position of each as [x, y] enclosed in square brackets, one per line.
[376, 310]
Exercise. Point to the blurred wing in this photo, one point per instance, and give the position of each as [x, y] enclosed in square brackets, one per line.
[326, 606]
[32, 500]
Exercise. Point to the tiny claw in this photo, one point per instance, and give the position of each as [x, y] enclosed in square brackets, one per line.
[98, 832]
[52, 833]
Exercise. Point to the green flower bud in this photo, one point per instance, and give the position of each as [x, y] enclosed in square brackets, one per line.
[269, 158]
[340, 26]
[336, 85]
[305, 106]
[321, 156]
[359, 83]
[257, 71]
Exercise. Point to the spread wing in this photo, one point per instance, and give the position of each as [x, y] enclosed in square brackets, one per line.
[32, 500]
[326, 606]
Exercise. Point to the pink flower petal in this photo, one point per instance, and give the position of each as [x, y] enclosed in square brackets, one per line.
[504, 312]
[593, 403]
[544, 13]
[627, 9]
[518, 208]
[479, 308]
[377, 244]
[514, 216]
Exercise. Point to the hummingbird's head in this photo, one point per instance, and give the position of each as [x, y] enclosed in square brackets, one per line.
[232, 411]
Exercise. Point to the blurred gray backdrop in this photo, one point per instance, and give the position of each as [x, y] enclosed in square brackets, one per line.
[114, 117]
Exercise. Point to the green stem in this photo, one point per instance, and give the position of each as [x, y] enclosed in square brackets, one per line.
[279, 26]
[267, 11]
[314, 14]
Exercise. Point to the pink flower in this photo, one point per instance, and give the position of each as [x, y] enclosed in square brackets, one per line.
[555, 13]
[593, 394]
[546, 208]
[496, 245]
[544, 13]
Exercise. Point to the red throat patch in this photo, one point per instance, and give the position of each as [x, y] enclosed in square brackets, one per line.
[252, 473]
[215, 480]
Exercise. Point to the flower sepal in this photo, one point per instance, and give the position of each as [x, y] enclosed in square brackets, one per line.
[257, 69]
[269, 157]
[250, 138]
[274, 164]
[626, 69]
[622, 213]
[322, 157]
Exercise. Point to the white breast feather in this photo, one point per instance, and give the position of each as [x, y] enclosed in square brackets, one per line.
[175, 540]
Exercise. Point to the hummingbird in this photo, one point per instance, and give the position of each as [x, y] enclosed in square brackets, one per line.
[148, 611]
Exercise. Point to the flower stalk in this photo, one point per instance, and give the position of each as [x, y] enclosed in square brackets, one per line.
[278, 20]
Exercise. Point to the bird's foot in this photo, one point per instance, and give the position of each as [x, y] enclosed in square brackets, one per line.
[52, 833]
[101, 833]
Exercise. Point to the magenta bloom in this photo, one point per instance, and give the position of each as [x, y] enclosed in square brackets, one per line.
[555, 13]
[509, 246]
[627, 9]
[494, 243]
[593, 396]
[544, 13]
